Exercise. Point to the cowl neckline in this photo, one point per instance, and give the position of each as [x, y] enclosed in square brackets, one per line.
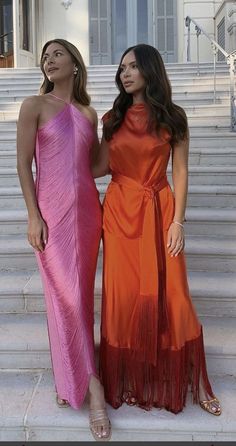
[136, 118]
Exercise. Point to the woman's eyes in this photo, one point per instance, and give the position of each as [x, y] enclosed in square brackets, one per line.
[131, 66]
[45, 58]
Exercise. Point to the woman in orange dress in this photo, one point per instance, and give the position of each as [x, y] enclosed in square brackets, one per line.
[151, 340]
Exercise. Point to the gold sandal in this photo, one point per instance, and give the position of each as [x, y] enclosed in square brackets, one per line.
[99, 418]
[62, 403]
[211, 406]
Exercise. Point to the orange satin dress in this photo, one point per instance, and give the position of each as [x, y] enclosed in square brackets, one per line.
[151, 340]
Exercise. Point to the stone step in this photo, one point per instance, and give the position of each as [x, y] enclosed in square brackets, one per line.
[99, 83]
[24, 342]
[202, 254]
[210, 175]
[212, 139]
[184, 99]
[12, 112]
[213, 294]
[212, 196]
[197, 156]
[193, 111]
[210, 254]
[211, 155]
[31, 414]
[174, 66]
[94, 85]
[217, 222]
[7, 158]
[215, 139]
[197, 125]
[223, 196]
[102, 77]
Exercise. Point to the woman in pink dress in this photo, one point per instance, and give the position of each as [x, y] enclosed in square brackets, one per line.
[58, 129]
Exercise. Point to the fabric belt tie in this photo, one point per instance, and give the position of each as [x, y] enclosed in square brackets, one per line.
[152, 267]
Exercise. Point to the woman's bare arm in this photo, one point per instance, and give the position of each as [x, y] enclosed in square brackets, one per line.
[175, 240]
[180, 177]
[26, 137]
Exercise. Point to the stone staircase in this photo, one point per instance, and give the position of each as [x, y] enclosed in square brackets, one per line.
[27, 397]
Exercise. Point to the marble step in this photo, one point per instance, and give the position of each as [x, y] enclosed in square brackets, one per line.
[215, 140]
[173, 66]
[200, 156]
[95, 86]
[7, 158]
[200, 221]
[198, 175]
[105, 72]
[202, 254]
[213, 294]
[195, 119]
[10, 112]
[208, 113]
[183, 98]
[31, 414]
[198, 195]
[24, 342]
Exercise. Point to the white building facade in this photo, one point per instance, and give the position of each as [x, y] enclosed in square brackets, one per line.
[103, 29]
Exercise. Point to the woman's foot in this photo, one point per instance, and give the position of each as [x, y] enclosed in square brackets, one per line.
[61, 402]
[211, 405]
[99, 422]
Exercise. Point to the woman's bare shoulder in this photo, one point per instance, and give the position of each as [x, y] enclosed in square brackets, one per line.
[32, 104]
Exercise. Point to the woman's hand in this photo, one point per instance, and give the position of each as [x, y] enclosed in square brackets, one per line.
[37, 233]
[175, 239]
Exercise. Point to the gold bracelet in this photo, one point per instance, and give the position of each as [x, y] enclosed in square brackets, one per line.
[178, 223]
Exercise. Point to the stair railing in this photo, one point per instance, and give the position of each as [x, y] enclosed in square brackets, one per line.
[231, 61]
[5, 38]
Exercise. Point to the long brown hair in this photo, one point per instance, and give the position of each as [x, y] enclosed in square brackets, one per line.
[80, 78]
[163, 113]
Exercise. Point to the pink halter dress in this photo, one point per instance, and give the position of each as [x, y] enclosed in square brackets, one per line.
[69, 204]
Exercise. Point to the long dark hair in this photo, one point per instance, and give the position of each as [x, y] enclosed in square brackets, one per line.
[163, 113]
[80, 78]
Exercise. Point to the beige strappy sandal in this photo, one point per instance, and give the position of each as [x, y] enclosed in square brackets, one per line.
[211, 406]
[99, 418]
[62, 403]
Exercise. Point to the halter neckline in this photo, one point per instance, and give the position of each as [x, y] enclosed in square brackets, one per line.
[60, 99]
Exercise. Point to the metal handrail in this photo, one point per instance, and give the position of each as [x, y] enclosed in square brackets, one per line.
[230, 58]
[8, 41]
[6, 34]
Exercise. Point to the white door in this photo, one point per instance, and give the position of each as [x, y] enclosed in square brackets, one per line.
[100, 32]
[118, 24]
[165, 29]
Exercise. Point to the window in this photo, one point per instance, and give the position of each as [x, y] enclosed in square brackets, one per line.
[25, 25]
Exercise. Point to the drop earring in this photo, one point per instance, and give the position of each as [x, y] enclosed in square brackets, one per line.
[76, 70]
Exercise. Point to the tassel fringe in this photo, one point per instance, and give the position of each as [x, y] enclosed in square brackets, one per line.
[165, 385]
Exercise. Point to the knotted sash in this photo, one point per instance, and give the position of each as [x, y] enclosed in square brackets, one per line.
[150, 315]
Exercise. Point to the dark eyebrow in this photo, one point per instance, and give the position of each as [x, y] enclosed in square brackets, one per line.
[123, 65]
[55, 51]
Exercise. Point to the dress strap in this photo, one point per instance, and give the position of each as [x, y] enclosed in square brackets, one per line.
[60, 99]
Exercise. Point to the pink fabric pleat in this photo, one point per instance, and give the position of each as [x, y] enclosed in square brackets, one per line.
[69, 203]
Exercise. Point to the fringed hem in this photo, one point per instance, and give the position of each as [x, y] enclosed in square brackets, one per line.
[165, 385]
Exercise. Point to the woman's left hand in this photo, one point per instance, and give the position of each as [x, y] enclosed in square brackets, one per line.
[175, 239]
